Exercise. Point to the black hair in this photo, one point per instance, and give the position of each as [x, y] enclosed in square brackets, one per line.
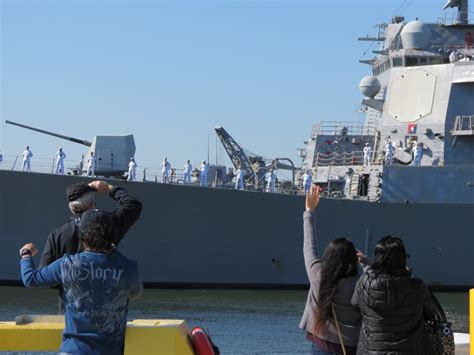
[390, 256]
[339, 261]
[97, 237]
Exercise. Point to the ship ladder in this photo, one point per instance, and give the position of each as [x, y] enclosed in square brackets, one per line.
[354, 185]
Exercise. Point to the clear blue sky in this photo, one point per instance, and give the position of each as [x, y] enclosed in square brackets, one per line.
[169, 71]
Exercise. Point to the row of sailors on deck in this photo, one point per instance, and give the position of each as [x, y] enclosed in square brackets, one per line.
[417, 153]
[270, 178]
[167, 173]
[58, 160]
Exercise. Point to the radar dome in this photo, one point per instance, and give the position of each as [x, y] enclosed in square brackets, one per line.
[369, 86]
[415, 35]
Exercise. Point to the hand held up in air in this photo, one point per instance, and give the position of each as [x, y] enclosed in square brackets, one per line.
[312, 198]
[101, 186]
[28, 249]
[360, 255]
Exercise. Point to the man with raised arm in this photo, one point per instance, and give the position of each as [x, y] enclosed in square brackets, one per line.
[97, 283]
[81, 196]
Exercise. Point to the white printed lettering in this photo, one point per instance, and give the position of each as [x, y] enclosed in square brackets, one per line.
[88, 271]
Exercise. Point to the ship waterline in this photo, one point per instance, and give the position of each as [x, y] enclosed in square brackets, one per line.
[199, 237]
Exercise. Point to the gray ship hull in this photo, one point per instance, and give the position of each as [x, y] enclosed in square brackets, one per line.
[202, 237]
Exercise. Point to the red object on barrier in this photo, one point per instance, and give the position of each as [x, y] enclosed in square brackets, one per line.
[202, 342]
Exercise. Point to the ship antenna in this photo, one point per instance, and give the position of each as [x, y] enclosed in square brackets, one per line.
[405, 4]
[216, 149]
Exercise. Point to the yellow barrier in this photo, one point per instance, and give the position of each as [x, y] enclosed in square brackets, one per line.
[143, 336]
[471, 320]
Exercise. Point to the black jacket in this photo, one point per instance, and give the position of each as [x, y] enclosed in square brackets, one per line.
[65, 239]
[393, 309]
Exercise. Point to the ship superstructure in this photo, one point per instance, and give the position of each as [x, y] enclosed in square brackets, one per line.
[420, 96]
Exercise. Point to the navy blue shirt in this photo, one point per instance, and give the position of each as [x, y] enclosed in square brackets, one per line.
[97, 287]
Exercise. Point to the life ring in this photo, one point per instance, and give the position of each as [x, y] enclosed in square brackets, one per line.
[202, 342]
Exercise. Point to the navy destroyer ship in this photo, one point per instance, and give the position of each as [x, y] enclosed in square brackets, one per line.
[417, 182]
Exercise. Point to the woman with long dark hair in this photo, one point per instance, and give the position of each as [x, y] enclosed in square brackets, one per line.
[329, 320]
[393, 304]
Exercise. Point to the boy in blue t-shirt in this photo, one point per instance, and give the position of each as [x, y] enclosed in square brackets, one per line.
[97, 286]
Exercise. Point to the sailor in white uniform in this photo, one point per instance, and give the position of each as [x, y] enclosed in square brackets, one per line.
[417, 154]
[27, 154]
[132, 169]
[165, 170]
[59, 157]
[453, 56]
[203, 169]
[91, 165]
[239, 178]
[271, 178]
[367, 154]
[187, 172]
[307, 179]
[389, 152]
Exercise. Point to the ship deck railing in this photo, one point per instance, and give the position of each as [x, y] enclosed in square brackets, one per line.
[463, 125]
[450, 19]
[145, 175]
[342, 128]
[153, 174]
[344, 158]
[48, 166]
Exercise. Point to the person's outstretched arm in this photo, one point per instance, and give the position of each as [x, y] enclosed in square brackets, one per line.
[312, 260]
[364, 260]
[45, 277]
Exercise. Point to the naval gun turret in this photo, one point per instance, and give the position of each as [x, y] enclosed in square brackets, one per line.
[112, 152]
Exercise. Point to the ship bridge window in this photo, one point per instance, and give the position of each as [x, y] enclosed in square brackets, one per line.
[397, 62]
[380, 68]
[435, 60]
[411, 61]
[414, 61]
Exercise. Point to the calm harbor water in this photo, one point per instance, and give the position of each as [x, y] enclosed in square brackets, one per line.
[240, 321]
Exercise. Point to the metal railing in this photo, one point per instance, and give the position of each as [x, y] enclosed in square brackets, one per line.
[47, 166]
[353, 158]
[453, 18]
[342, 128]
[464, 123]
[149, 174]
[38, 165]
[154, 174]
[342, 159]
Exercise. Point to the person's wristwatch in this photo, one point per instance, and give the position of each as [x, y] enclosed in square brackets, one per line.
[25, 252]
